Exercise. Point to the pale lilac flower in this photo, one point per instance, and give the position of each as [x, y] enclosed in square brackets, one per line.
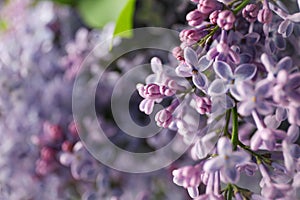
[226, 161]
[273, 68]
[229, 79]
[286, 27]
[254, 98]
[194, 67]
[222, 51]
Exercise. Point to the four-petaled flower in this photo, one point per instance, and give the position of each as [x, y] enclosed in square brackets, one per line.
[227, 161]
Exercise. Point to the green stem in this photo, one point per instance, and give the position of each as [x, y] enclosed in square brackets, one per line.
[258, 157]
[234, 135]
[241, 6]
[230, 192]
[228, 113]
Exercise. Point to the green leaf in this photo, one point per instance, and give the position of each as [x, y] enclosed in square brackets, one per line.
[124, 22]
[97, 13]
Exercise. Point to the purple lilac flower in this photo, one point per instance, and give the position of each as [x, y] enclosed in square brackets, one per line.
[229, 79]
[194, 67]
[226, 161]
[254, 98]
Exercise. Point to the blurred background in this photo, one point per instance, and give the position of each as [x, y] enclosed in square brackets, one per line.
[42, 46]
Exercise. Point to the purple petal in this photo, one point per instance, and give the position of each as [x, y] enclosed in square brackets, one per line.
[234, 57]
[281, 114]
[264, 108]
[268, 62]
[293, 133]
[200, 80]
[285, 63]
[246, 108]
[156, 65]
[224, 146]
[204, 63]
[245, 90]
[263, 88]
[256, 141]
[245, 72]
[223, 70]
[280, 42]
[252, 38]
[190, 56]
[217, 87]
[212, 53]
[239, 157]
[231, 174]
[214, 164]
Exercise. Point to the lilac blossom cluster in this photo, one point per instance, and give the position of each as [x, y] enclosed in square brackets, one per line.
[240, 111]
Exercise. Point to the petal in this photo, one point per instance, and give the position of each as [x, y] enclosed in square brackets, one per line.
[245, 72]
[223, 70]
[190, 56]
[146, 106]
[224, 146]
[231, 174]
[283, 26]
[204, 63]
[293, 133]
[193, 191]
[213, 164]
[156, 65]
[239, 157]
[295, 17]
[183, 70]
[281, 114]
[263, 88]
[280, 42]
[264, 108]
[245, 90]
[246, 108]
[200, 80]
[268, 62]
[285, 63]
[217, 87]
[234, 57]
[252, 38]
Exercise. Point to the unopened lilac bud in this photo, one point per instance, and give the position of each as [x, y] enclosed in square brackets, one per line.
[163, 118]
[226, 20]
[265, 16]
[203, 105]
[250, 12]
[208, 6]
[150, 91]
[164, 90]
[191, 36]
[48, 153]
[195, 18]
[214, 16]
[178, 53]
[53, 132]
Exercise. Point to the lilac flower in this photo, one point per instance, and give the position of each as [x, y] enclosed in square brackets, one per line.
[254, 98]
[273, 68]
[286, 27]
[226, 161]
[243, 72]
[164, 117]
[189, 177]
[222, 51]
[194, 67]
